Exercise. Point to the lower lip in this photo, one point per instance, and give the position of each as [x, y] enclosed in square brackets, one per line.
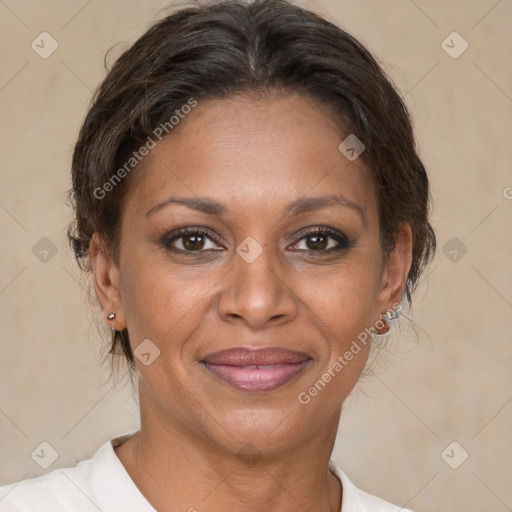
[252, 378]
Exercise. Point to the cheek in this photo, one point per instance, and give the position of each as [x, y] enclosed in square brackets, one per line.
[346, 295]
[161, 300]
[347, 309]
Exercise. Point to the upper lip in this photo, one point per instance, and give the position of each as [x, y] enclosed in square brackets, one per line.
[244, 356]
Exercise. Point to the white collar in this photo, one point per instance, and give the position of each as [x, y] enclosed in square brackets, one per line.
[106, 466]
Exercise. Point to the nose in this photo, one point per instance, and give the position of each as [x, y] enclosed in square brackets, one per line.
[257, 292]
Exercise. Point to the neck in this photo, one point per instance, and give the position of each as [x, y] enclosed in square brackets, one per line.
[176, 469]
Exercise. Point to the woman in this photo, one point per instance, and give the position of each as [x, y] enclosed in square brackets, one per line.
[250, 203]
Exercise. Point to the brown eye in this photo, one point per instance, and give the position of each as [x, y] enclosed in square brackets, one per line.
[193, 242]
[317, 242]
[322, 240]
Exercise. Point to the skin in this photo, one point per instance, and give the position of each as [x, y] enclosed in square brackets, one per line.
[254, 156]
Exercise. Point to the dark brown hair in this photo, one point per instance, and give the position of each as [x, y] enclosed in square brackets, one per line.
[230, 47]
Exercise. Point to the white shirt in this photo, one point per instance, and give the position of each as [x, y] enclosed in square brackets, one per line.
[102, 484]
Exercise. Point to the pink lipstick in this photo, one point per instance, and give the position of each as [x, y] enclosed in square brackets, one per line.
[256, 370]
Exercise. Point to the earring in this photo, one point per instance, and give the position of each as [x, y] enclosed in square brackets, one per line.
[390, 317]
[111, 316]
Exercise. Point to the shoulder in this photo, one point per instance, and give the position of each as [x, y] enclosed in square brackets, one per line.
[57, 490]
[357, 499]
[82, 488]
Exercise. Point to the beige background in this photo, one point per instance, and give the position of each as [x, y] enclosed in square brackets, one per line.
[450, 383]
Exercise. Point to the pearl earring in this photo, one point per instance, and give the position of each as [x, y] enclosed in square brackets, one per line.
[111, 316]
[390, 316]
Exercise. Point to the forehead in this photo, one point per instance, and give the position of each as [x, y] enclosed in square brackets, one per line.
[253, 154]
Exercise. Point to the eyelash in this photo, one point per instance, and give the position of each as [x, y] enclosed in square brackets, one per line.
[343, 242]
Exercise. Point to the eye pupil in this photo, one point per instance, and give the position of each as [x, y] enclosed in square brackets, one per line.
[317, 242]
[193, 242]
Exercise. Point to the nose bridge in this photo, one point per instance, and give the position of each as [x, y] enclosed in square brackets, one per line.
[256, 291]
[255, 267]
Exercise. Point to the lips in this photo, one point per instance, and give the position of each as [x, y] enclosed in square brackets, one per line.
[241, 356]
[256, 370]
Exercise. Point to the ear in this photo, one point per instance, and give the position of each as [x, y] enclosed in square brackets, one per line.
[396, 269]
[106, 283]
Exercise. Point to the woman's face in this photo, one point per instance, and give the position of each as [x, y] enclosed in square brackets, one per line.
[256, 179]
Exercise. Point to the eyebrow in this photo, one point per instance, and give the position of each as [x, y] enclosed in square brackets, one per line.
[297, 207]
